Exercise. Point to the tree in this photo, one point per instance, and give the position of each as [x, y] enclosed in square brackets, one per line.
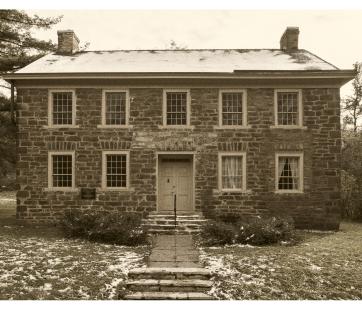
[352, 104]
[175, 46]
[17, 45]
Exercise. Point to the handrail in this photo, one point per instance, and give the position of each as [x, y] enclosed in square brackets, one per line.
[174, 209]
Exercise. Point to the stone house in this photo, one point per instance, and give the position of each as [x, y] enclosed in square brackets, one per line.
[252, 132]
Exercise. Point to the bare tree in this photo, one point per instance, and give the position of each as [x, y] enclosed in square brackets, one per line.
[352, 104]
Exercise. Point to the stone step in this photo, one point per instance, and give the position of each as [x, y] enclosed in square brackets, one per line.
[170, 226]
[173, 285]
[167, 232]
[171, 216]
[168, 296]
[169, 273]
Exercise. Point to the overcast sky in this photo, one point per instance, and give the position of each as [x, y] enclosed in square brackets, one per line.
[336, 36]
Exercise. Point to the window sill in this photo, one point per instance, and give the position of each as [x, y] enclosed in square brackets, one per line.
[288, 127]
[115, 126]
[60, 126]
[61, 189]
[288, 192]
[180, 127]
[232, 127]
[115, 189]
[232, 191]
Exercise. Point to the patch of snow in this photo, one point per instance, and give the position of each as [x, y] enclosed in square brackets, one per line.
[47, 287]
[315, 268]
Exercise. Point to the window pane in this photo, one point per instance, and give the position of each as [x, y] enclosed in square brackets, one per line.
[288, 108]
[288, 171]
[231, 173]
[62, 108]
[116, 108]
[176, 104]
[116, 170]
[62, 170]
[232, 109]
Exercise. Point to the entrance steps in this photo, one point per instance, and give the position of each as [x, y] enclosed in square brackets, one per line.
[165, 223]
[168, 283]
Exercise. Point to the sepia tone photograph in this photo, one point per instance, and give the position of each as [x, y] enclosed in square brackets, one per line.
[180, 154]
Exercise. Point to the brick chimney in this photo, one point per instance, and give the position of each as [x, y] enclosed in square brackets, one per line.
[289, 39]
[68, 42]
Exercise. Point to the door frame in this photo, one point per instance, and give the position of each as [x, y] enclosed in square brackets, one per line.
[192, 156]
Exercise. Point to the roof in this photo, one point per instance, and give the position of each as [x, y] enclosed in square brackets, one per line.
[178, 61]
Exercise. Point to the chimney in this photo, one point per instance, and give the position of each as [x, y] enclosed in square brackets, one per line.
[68, 42]
[289, 39]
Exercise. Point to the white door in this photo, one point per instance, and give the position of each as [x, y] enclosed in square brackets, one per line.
[175, 179]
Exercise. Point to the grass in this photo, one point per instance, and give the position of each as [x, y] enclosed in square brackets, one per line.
[36, 262]
[324, 266]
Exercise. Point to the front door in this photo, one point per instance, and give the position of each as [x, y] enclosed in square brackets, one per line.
[175, 178]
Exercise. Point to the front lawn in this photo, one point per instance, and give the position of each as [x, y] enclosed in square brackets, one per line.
[323, 266]
[38, 263]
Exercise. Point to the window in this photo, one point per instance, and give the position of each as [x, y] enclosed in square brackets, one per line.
[115, 108]
[232, 168]
[176, 108]
[232, 108]
[288, 108]
[115, 170]
[61, 108]
[61, 170]
[289, 174]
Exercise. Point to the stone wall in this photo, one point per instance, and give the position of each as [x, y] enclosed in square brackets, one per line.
[317, 207]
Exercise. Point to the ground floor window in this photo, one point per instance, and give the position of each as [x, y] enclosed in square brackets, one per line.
[61, 170]
[289, 172]
[232, 171]
[115, 170]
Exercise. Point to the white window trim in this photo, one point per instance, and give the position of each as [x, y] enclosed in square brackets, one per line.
[164, 108]
[300, 109]
[50, 108]
[50, 171]
[104, 170]
[103, 113]
[245, 108]
[243, 183]
[301, 169]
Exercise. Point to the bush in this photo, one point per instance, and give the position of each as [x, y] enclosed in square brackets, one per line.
[218, 233]
[115, 228]
[262, 231]
[351, 197]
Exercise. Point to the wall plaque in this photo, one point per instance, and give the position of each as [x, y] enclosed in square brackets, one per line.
[88, 193]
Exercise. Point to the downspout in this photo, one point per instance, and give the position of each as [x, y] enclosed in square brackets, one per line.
[12, 102]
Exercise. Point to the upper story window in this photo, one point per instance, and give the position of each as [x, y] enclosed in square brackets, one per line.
[289, 172]
[288, 108]
[232, 171]
[61, 109]
[61, 170]
[115, 169]
[232, 108]
[176, 107]
[115, 108]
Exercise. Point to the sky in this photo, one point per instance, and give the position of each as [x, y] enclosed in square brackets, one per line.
[334, 35]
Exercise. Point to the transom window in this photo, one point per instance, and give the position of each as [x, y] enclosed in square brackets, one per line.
[62, 108]
[61, 170]
[176, 108]
[115, 108]
[288, 108]
[232, 172]
[232, 109]
[115, 170]
[289, 173]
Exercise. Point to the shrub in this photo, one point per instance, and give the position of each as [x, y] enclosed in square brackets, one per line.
[115, 228]
[262, 231]
[218, 233]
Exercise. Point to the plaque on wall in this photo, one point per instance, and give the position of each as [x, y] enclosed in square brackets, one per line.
[88, 193]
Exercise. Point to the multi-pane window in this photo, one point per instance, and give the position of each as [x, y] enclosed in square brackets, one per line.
[288, 113]
[115, 108]
[231, 172]
[61, 170]
[176, 108]
[232, 109]
[62, 108]
[115, 170]
[289, 173]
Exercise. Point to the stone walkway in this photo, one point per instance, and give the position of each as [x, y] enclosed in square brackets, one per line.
[174, 251]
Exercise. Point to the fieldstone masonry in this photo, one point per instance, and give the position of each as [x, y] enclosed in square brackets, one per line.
[320, 141]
